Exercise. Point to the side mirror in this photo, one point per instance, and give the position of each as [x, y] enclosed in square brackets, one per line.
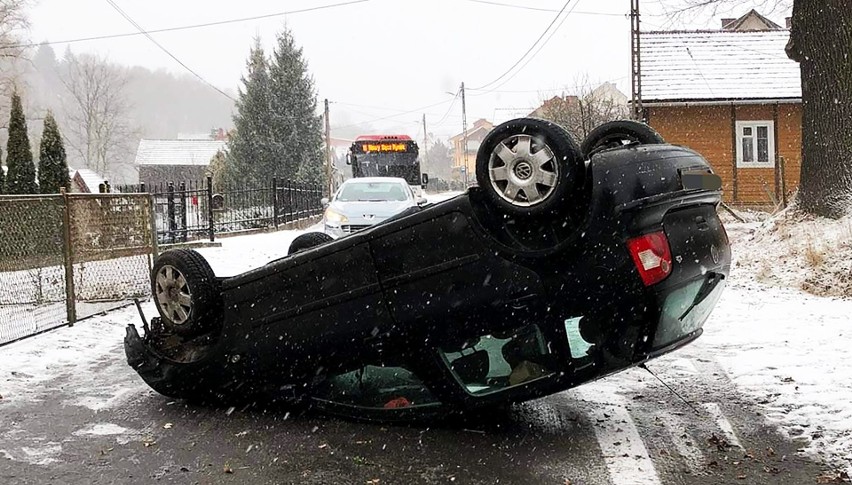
[422, 201]
[424, 180]
[324, 201]
[350, 158]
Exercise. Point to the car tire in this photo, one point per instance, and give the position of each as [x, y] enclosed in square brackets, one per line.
[185, 292]
[618, 133]
[529, 167]
[307, 241]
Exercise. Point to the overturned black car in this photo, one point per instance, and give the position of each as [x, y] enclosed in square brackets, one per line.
[565, 264]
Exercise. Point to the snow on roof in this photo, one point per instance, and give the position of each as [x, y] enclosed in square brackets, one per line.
[717, 65]
[91, 179]
[177, 152]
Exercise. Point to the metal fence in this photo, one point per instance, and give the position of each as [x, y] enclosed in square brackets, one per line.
[194, 210]
[66, 257]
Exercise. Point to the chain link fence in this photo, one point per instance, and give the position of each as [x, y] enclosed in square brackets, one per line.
[67, 257]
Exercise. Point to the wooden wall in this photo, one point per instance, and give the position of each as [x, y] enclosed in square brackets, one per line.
[709, 130]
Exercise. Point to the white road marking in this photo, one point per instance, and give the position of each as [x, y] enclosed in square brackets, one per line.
[723, 423]
[685, 444]
[624, 453]
[683, 366]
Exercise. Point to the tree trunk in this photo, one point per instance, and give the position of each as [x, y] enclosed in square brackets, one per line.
[821, 41]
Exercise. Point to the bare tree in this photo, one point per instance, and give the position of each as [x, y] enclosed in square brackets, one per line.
[13, 29]
[821, 42]
[589, 107]
[97, 117]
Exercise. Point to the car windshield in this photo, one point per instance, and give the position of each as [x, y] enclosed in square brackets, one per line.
[372, 192]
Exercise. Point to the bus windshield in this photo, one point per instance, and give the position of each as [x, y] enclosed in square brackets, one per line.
[386, 159]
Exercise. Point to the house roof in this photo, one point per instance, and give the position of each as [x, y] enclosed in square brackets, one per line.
[178, 152]
[752, 20]
[90, 180]
[478, 125]
[717, 65]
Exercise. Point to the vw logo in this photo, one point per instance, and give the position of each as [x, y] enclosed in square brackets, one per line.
[523, 170]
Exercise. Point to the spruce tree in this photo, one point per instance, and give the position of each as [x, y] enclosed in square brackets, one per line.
[52, 162]
[294, 112]
[21, 178]
[249, 157]
[278, 132]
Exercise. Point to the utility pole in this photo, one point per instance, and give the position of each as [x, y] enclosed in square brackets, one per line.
[425, 141]
[464, 133]
[636, 64]
[328, 151]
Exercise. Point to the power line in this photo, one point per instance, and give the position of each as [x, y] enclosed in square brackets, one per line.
[185, 27]
[453, 103]
[539, 9]
[534, 44]
[382, 118]
[540, 47]
[200, 78]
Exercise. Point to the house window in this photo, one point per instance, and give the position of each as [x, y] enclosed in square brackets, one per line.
[755, 144]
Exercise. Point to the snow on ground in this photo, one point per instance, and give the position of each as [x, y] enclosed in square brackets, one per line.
[787, 348]
[795, 250]
[74, 353]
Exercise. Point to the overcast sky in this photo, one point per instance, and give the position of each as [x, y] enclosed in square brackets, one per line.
[380, 58]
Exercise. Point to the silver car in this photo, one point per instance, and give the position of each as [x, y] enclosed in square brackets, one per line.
[361, 202]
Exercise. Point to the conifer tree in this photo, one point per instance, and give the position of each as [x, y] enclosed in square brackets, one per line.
[248, 159]
[52, 162]
[278, 132]
[294, 110]
[21, 178]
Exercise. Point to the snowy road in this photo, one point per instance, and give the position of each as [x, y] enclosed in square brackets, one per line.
[769, 404]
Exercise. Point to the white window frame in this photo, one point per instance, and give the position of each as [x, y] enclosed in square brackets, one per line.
[770, 125]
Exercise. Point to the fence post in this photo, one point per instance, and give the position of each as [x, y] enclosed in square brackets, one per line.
[211, 229]
[170, 194]
[70, 297]
[289, 213]
[317, 197]
[183, 231]
[275, 201]
[152, 214]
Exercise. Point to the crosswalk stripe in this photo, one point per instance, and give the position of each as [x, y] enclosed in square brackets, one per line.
[624, 452]
[723, 423]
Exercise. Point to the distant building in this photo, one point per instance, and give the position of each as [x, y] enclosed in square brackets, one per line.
[164, 161]
[85, 181]
[475, 135]
[733, 96]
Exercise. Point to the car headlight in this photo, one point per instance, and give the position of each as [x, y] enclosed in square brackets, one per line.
[333, 216]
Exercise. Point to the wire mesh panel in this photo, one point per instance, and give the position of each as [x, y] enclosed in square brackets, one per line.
[112, 246]
[32, 270]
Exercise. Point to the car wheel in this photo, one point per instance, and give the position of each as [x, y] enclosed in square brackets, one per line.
[614, 134]
[308, 240]
[185, 292]
[528, 166]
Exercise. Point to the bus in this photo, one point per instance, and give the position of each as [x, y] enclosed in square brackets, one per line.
[387, 156]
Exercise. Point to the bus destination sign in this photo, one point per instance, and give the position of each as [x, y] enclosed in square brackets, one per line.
[384, 147]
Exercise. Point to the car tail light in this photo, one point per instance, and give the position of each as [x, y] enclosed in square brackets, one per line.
[652, 257]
